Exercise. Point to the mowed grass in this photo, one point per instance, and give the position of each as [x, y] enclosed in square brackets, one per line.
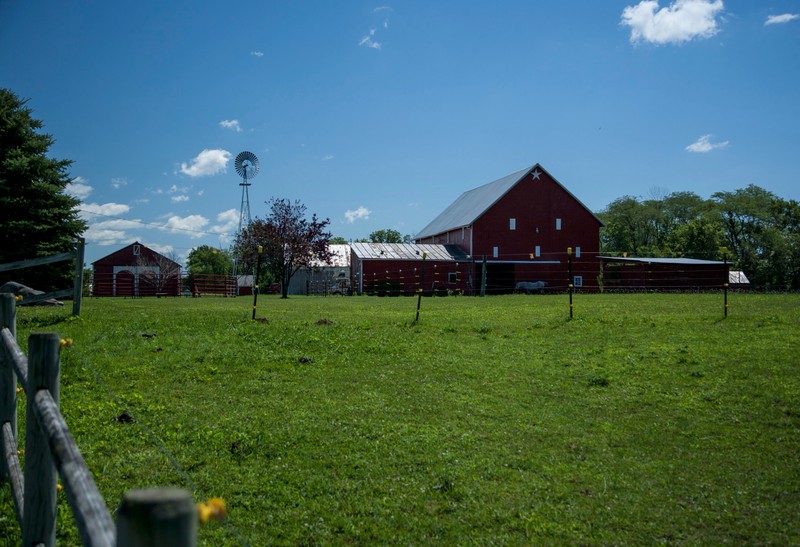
[645, 419]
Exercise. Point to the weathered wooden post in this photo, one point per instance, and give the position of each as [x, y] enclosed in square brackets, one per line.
[157, 517]
[39, 513]
[8, 379]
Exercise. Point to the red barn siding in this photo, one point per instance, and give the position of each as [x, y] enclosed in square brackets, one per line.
[124, 283]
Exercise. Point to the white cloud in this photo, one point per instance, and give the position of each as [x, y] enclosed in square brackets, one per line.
[357, 214]
[117, 183]
[382, 8]
[681, 21]
[207, 162]
[174, 189]
[227, 224]
[191, 225]
[166, 250]
[257, 53]
[180, 198]
[231, 124]
[90, 210]
[327, 158]
[78, 188]
[105, 237]
[783, 18]
[369, 41]
[704, 144]
[118, 224]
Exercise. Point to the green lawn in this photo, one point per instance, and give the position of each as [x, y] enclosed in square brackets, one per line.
[646, 419]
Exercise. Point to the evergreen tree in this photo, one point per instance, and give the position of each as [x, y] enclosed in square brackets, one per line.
[37, 217]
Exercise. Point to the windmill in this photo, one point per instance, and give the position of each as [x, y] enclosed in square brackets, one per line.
[246, 165]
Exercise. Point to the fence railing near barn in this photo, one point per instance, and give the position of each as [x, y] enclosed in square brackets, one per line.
[76, 254]
[145, 517]
[213, 285]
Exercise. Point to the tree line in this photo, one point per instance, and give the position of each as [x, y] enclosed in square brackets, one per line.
[753, 228]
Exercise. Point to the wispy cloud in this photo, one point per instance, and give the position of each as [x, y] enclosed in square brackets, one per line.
[256, 53]
[356, 214]
[118, 182]
[681, 21]
[191, 225]
[180, 198]
[779, 19]
[91, 210]
[704, 145]
[207, 162]
[78, 188]
[327, 157]
[231, 124]
[368, 40]
[226, 226]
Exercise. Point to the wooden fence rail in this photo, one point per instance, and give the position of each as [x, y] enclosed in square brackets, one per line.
[77, 288]
[146, 517]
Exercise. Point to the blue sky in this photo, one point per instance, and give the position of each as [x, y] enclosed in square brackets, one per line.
[379, 114]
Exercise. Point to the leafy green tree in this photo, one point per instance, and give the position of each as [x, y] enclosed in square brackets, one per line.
[37, 217]
[209, 260]
[337, 240]
[385, 236]
[289, 241]
[747, 217]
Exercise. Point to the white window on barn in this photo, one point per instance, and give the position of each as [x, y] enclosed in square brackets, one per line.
[512, 224]
[495, 252]
[558, 224]
[537, 251]
[577, 252]
[136, 250]
[577, 281]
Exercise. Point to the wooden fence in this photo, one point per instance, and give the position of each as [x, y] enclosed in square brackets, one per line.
[76, 291]
[145, 517]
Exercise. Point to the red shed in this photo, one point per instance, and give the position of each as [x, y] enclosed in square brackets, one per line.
[522, 226]
[136, 270]
[394, 269]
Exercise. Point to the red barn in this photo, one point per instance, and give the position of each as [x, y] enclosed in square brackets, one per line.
[136, 270]
[521, 226]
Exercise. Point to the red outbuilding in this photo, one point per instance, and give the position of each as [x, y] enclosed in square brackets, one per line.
[136, 270]
[523, 228]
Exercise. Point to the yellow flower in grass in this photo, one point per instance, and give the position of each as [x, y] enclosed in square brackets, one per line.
[66, 342]
[214, 508]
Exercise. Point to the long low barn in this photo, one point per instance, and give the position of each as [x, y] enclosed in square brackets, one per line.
[662, 274]
[399, 269]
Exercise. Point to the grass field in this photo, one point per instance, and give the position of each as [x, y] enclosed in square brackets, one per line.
[645, 419]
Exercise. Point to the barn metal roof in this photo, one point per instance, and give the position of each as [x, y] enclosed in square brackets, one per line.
[340, 258]
[407, 251]
[470, 205]
[644, 260]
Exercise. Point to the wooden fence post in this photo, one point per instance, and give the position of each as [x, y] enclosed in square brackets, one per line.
[39, 513]
[157, 517]
[8, 380]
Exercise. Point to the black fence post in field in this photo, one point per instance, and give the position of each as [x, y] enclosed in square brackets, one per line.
[569, 273]
[255, 280]
[79, 256]
[421, 285]
[725, 284]
[39, 512]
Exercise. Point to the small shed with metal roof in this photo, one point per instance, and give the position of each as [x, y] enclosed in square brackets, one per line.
[391, 269]
[662, 274]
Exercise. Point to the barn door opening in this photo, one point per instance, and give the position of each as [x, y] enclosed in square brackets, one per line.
[499, 278]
